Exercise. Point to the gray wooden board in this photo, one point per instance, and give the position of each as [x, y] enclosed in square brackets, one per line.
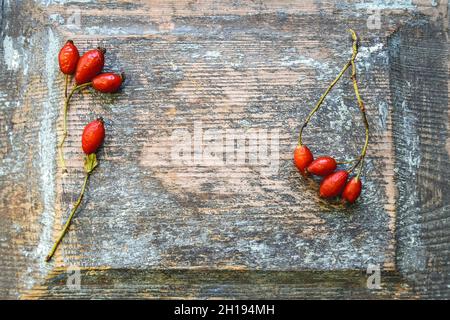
[152, 225]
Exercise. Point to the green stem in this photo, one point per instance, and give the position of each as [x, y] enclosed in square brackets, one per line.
[322, 98]
[360, 162]
[319, 103]
[66, 109]
[69, 220]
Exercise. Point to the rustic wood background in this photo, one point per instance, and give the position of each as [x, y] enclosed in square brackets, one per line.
[152, 227]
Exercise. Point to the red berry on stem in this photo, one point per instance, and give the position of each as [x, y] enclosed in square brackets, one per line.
[107, 82]
[93, 136]
[302, 158]
[90, 64]
[322, 166]
[333, 184]
[352, 190]
[68, 58]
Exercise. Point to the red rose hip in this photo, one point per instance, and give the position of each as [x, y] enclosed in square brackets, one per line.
[333, 184]
[322, 166]
[107, 82]
[90, 64]
[93, 136]
[68, 58]
[352, 190]
[302, 158]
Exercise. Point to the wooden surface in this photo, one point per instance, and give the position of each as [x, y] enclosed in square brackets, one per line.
[152, 226]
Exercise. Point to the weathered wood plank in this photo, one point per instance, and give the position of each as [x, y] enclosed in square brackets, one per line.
[239, 67]
[218, 284]
[420, 110]
[196, 214]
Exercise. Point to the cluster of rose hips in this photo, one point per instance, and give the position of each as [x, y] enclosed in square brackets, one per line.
[87, 73]
[335, 183]
[87, 70]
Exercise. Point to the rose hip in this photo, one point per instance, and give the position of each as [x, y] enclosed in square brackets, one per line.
[322, 166]
[68, 58]
[352, 190]
[302, 158]
[90, 64]
[93, 136]
[107, 82]
[333, 184]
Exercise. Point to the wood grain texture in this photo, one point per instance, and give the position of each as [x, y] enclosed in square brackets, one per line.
[154, 226]
[219, 284]
[423, 155]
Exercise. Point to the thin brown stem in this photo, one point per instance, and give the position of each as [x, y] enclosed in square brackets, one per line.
[69, 220]
[322, 98]
[362, 108]
[66, 109]
[319, 103]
